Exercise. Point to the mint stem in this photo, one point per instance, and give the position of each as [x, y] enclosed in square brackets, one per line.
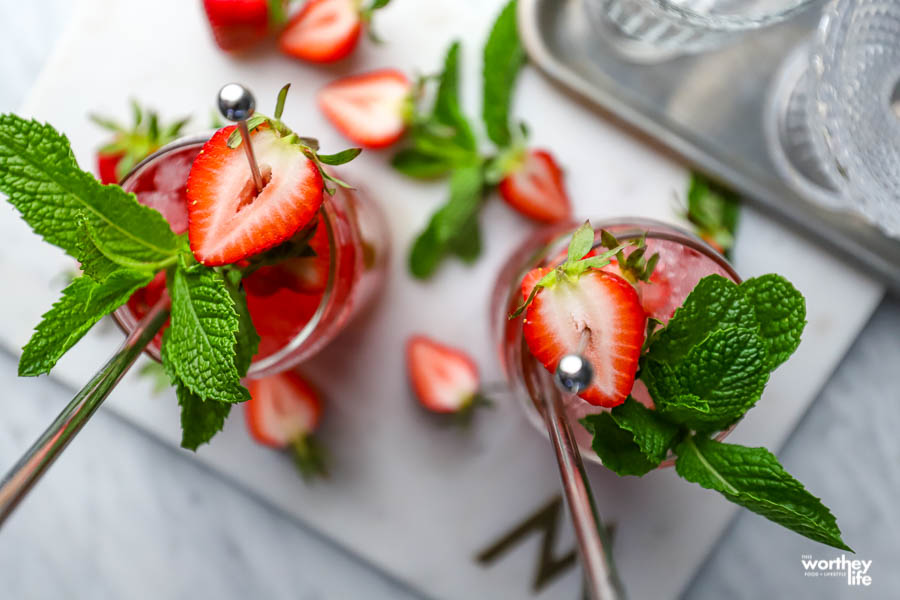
[26, 472]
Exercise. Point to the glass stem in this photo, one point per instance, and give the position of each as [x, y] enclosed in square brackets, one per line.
[26, 472]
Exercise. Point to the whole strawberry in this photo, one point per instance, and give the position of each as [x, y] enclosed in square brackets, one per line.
[240, 24]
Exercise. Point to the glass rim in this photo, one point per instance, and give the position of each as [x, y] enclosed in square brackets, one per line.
[729, 23]
[671, 233]
[325, 213]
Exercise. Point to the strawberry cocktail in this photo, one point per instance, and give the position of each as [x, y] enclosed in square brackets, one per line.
[297, 302]
[683, 261]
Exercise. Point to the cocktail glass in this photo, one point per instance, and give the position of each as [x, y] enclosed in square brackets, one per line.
[656, 30]
[683, 260]
[292, 325]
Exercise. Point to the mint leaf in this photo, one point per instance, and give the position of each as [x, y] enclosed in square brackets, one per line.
[200, 419]
[715, 384]
[421, 165]
[616, 446]
[93, 263]
[466, 244]
[446, 108]
[653, 435]
[39, 174]
[781, 312]
[752, 478]
[503, 57]
[247, 343]
[83, 303]
[201, 339]
[451, 227]
[714, 303]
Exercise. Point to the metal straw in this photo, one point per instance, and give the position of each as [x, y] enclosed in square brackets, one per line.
[20, 479]
[572, 375]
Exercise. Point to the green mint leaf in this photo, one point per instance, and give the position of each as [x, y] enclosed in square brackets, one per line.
[83, 303]
[339, 158]
[202, 335]
[452, 224]
[753, 478]
[93, 263]
[200, 419]
[653, 435]
[376, 4]
[616, 446]
[247, 339]
[421, 165]
[39, 174]
[503, 57]
[715, 384]
[714, 303]
[446, 108]
[781, 312]
[466, 244]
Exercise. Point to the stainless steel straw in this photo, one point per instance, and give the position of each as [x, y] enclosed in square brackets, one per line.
[572, 375]
[20, 479]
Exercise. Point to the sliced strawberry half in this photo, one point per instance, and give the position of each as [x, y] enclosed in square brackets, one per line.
[283, 412]
[323, 31]
[228, 220]
[655, 294]
[444, 379]
[534, 186]
[608, 309]
[370, 108]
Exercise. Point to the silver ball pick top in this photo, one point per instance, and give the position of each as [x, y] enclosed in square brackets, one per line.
[573, 373]
[237, 104]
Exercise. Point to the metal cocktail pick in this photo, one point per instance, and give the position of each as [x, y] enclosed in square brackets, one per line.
[573, 374]
[237, 104]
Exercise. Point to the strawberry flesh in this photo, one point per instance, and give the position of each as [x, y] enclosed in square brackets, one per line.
[323, 31]
[444, 379]
[608, 309]
[228, 220]
[368, 108]
[282, 409]
[107, 166]
[535, 188]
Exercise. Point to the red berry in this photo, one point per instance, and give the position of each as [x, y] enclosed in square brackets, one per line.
[323, 31]
[368, 108]
[444, 379]
[535, 188]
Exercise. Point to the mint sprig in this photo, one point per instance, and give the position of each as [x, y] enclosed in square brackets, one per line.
[713, 210]
[442, 142]
[704, 370]
[121, 246]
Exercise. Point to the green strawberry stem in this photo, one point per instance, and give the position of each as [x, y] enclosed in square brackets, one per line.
[26, 472]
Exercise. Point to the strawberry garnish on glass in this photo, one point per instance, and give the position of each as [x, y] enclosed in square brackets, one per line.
[131, 144]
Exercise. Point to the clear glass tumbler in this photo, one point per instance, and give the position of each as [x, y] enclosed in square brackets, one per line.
[684, 259]
[293, 325]
[655, 30]
[833, 123]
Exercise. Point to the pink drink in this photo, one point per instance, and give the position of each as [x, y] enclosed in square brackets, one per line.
[350, 243]
[683, 261]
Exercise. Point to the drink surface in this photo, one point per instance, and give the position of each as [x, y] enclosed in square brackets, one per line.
[297, 306]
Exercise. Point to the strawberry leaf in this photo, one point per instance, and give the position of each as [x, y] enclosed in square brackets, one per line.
[282, 97]
[340, 158]
[753, 478]
[581, 243]
[503, 57]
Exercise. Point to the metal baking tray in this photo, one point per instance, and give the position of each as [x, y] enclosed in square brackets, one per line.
[708, 109]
